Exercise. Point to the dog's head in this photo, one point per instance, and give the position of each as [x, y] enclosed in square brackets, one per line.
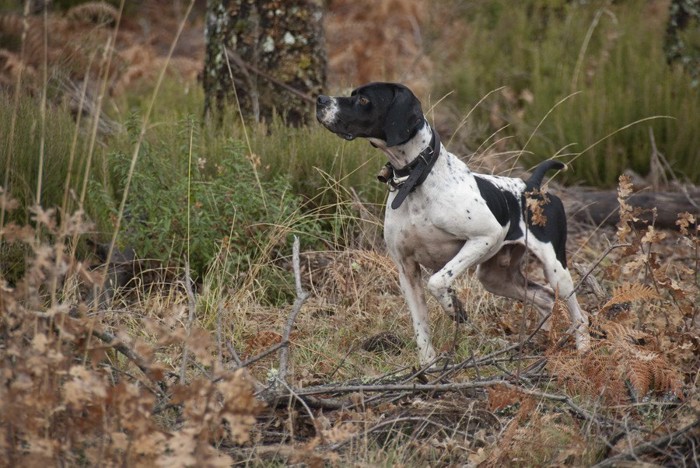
[385, 111]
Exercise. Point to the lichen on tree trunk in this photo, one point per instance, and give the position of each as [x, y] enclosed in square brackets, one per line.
[682, 42]
[263, 45]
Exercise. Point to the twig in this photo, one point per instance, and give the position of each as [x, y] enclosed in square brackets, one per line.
[234, 354]
[590, 281]
[219, 347]
[489, 358]
[246, 66]
[595, 265]
[561, 398]
[328, 403]
[444, 388]
[297, 397]
[302, 296]
[449, 387]
[392, 422]
[261, 355]
[129, 353]
[648, 447]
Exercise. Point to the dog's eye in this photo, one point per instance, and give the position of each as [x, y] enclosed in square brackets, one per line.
[363, 101]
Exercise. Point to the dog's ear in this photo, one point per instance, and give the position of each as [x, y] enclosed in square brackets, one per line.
[403, 118]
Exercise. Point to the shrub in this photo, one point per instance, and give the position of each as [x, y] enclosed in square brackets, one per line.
[186, 199]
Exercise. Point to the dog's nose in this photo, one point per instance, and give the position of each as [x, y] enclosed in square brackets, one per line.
[323, 101]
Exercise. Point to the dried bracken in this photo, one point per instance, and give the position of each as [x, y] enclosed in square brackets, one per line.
[630, 292]
[65, 398]
[377, 41]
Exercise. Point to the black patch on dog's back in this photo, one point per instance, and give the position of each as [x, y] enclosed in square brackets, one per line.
[503, 205]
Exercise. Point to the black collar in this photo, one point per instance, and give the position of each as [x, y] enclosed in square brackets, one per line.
[406, 179]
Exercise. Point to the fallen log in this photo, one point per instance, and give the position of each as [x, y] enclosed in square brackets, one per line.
[602, 207]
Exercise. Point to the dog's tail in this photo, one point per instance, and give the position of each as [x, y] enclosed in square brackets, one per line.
[535, 179]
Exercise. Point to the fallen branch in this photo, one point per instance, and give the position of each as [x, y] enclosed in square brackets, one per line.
[655, 445]
[414, 388]
[120, 347]
[602, 207]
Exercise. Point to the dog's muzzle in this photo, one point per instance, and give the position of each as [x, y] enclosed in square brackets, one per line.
[327, 114]
[324, 106]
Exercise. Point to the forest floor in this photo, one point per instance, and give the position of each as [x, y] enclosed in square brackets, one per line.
[170, 372]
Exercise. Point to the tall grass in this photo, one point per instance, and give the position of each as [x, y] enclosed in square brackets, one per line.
[607, 59]
[21, 157]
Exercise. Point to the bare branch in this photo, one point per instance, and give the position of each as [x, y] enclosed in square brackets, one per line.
[648, 447]
[597, 262]
[301, 298]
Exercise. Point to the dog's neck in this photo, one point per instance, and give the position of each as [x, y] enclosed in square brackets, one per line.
[401, 155]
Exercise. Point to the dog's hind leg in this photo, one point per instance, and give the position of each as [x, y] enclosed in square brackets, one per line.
[410, 280]
[502, 275]
[559, 279]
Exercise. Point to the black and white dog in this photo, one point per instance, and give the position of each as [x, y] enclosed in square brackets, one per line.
[445, 217]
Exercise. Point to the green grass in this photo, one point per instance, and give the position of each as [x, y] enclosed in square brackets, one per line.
[572, 96]
[28, 175]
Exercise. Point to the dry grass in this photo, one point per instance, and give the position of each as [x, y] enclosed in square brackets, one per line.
[60, 361]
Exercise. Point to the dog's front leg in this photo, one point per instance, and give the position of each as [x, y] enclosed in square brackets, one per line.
[473, 252]
[410, 280]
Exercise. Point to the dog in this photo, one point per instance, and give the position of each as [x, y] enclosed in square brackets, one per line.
[446, 218]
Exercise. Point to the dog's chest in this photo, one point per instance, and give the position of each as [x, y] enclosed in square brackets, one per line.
[427, 227]
[412, 233]
[437, 218]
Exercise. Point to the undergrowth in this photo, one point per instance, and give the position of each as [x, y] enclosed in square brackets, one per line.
[183, 207]
[163, 374]
[63, 395]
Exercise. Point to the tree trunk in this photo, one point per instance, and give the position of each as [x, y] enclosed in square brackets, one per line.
[267, 56]
[680, 45]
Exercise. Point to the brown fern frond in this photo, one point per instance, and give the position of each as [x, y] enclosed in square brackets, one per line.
[559, 321]
[624, 190]
[11, 25]
[639, 377]
[630, 292]
[666, 378]
[606, 377]
[625, 364]
[572, 370]
[531, 441]
[500, 396]
[93, 12]
[619, 333]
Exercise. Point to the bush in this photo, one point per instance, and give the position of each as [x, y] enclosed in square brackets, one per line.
[186, 201]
